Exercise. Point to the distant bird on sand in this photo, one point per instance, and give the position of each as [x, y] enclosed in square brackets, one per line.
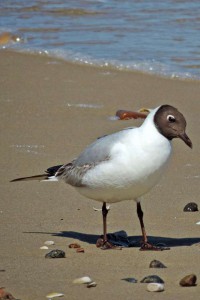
[124, 165]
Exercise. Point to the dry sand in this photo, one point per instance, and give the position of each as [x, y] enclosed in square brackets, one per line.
[42, 124]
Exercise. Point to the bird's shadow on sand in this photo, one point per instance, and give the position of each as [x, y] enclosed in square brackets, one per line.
[133, 241]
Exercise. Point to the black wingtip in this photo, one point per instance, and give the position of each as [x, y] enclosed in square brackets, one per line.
[49, 172]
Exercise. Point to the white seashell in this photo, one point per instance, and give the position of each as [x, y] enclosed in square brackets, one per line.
[91, 284]
[99, 209]
[82, 280]
[44, 248]
[49, 243]
[54, 295]
[198, 223]
[155, 287]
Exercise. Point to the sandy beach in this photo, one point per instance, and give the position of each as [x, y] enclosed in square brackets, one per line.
[50, 111]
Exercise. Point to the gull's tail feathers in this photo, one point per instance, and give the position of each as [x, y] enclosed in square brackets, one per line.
[48, 176]
[35, 177]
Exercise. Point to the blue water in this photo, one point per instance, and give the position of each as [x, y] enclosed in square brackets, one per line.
[154, 36]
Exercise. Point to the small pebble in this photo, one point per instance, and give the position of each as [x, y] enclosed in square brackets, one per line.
[156, 264]
[190, 207]
[155, 287]
[82, 280]
[55, 254]
[189, 280]
[91, 284]
[152, 278]
[49, 243]
[130, 279]
[44, 248]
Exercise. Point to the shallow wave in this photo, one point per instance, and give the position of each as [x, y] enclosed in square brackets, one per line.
[159, 37]
[148, 66]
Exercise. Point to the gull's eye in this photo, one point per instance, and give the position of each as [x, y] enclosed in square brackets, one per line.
[171, 118]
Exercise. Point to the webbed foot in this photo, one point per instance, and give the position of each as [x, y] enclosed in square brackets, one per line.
[149, 247]
[105, 245]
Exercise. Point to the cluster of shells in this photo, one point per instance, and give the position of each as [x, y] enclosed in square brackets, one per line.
[154, 282]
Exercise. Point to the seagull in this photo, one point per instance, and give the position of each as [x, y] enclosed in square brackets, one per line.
[124, 165]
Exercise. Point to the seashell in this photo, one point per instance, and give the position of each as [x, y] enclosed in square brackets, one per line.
[100, 209]
[55, 254]
[97, 209]
[152, 278]
[49, 243]
[82, 280]
[80, 250]
[190, 207]
[156, 264]
[155, 287]
[91, 284]
[44, 248]
[189, 280]
[198, 223]
[130, 279]
[74, 245]
[54, 295]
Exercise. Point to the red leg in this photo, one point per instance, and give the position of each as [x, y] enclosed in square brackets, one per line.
[103, 242]
[145, 244]
[104, 214]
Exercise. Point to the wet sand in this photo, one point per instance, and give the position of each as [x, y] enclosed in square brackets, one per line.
[43, 123]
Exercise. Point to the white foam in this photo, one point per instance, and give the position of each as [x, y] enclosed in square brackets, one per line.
[32, 149]
[84, 105]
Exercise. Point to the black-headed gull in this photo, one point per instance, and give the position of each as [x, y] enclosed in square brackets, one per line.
[124, 165]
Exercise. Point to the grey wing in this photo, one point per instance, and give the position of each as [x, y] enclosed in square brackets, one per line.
[100, 149]
[94, 154]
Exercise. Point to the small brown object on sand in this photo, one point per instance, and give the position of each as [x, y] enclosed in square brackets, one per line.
[5, 295]
[189, 280]
[125, 115]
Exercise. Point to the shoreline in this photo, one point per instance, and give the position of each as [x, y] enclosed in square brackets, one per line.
[43, 124]
[104, 66]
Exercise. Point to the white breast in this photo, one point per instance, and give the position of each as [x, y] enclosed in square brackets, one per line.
[136, 164]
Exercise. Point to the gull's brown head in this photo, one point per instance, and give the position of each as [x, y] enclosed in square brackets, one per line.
[171, 123]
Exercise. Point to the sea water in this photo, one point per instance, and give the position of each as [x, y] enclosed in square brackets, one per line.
[155, 36]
